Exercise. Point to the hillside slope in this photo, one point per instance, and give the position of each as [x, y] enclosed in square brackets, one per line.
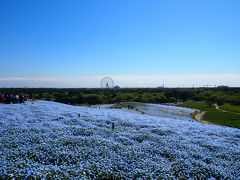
[52, 140]
[173, 112]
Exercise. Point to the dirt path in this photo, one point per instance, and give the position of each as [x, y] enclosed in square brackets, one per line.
[199, 116]
[218, 108]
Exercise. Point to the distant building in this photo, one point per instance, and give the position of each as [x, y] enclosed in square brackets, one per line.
[117, 87]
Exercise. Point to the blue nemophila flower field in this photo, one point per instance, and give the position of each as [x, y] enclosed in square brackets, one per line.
[51, 140]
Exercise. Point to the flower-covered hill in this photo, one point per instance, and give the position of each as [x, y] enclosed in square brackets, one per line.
[51, 140]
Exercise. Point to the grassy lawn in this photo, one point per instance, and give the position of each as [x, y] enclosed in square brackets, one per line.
[223, 118]
[198, 105]
[232, 108]
[217, 117]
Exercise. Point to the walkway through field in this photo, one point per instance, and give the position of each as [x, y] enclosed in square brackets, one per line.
[218, 108]
[199, 116]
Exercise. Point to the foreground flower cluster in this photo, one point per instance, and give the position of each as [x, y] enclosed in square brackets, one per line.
[51, 140]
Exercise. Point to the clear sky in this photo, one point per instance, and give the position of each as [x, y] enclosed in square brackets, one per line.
[49, 40]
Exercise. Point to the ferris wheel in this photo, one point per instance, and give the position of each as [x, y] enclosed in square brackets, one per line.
[107, 83]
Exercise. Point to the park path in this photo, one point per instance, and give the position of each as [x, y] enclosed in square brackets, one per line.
[199, 116]
[218, 108]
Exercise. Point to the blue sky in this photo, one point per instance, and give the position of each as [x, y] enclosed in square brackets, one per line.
[76, 38]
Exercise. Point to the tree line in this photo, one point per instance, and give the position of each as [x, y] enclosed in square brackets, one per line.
[147, 95]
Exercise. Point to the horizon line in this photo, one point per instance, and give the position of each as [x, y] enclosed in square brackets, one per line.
[124, 81]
